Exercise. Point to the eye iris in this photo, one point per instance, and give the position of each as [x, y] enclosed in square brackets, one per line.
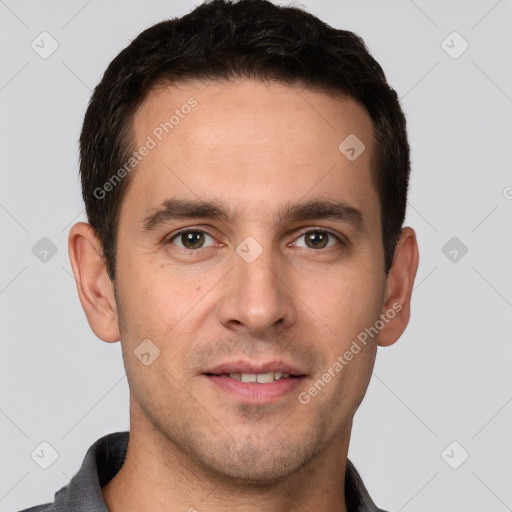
[195, 239]
[317, 238]
[192, 239]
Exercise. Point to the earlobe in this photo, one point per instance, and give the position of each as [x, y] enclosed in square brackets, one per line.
[95, 290]
[399, 285]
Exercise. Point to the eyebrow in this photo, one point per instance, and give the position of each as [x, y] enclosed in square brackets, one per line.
[179, 209]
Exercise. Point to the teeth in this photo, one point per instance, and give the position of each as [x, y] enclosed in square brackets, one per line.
[260, 378]
[265, 377]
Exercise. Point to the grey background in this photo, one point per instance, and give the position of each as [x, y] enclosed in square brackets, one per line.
[448, 378]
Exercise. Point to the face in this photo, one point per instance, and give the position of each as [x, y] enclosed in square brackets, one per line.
[249, 248]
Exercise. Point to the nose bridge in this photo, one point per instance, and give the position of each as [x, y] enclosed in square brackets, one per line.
[257, 265]
[257, 297]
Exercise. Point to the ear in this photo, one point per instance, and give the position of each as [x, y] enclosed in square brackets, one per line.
[399, 284]
[95, 289]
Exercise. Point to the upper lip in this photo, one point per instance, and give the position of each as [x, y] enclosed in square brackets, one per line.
[251, 367]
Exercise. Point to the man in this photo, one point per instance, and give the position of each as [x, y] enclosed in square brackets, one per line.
[245, 172]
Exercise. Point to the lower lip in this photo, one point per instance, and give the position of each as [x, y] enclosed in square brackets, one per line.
[251, 392]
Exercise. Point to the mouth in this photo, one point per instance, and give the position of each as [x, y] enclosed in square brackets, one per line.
[256, 384]
[259, 378]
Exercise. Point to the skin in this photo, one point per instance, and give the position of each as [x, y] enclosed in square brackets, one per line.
[253, 146]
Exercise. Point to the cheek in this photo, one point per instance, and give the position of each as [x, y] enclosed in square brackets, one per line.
[152, 301]
[354, 382]
[161, 308]
[347, 302]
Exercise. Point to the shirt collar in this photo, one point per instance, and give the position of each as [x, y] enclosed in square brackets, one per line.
[106, 456]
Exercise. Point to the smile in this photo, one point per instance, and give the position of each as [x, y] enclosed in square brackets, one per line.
[260, 378]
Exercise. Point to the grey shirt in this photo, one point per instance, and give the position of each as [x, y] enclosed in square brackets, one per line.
[105, 458]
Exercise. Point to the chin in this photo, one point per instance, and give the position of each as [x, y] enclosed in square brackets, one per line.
[261, 465]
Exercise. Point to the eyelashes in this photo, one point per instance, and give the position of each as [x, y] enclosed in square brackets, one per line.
[194, 239]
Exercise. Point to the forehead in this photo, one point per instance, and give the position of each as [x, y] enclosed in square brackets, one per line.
[248, 142]
[315, 118]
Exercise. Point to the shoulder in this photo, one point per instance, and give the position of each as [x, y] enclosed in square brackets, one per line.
[356, 494]
[48, 507]
[83, 493]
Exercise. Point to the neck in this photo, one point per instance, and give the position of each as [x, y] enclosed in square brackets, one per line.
[156, 467]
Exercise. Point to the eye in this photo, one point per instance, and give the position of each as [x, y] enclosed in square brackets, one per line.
[191, 239]
[319, 239]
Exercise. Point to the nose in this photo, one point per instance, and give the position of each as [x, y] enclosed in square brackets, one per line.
[258, 296]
